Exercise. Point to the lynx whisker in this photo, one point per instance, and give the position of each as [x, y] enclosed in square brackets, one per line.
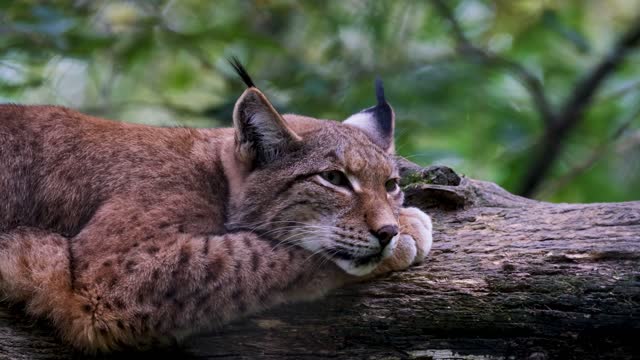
[293, 237]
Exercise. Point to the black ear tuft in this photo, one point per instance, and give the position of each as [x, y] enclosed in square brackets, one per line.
[240, 70]
[382, 112]
[380, 91]
[377, 121]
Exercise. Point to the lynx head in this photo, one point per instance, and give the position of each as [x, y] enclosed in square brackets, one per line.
[329, 187]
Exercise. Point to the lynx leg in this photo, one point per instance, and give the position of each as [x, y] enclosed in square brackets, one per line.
[35, 269]
[157, 293]
[32, 260]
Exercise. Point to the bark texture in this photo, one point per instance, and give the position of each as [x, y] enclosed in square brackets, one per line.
[507, 278]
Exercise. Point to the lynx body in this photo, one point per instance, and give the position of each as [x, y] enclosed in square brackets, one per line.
[126, 235]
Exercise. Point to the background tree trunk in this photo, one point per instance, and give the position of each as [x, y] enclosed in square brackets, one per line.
[508, 277]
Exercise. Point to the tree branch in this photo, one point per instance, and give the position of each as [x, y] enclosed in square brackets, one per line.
[595, 156]
[528, 79]
[558, 124]
[574, 108]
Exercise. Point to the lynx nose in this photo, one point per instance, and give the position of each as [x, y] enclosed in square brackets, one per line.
[385, 234]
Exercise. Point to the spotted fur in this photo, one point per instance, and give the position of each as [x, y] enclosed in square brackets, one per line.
[128, 236]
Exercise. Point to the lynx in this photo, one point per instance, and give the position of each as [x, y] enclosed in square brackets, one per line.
[125, 235]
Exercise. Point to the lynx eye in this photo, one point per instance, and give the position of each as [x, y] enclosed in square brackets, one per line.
[391, 185]
[335, 177]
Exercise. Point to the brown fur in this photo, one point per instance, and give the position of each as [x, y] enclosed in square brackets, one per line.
[127, 235]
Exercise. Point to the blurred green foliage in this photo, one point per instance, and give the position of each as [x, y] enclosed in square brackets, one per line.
[164, 63]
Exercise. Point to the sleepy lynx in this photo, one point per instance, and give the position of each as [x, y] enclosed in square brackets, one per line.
[126, 235]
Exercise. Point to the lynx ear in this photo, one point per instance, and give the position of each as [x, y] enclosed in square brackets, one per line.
[261, 133]
[378, 121]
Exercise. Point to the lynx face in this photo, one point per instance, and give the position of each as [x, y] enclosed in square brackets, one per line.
[329, 187]
[336, 195]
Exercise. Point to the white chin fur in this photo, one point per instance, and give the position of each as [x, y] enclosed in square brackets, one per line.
[388, 251]
[350, 268]
[360, 270]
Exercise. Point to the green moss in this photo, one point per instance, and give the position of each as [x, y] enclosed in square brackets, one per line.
[414, 178]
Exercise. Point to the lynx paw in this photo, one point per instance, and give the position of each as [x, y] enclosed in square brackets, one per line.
[417, 225]
[414, 241]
